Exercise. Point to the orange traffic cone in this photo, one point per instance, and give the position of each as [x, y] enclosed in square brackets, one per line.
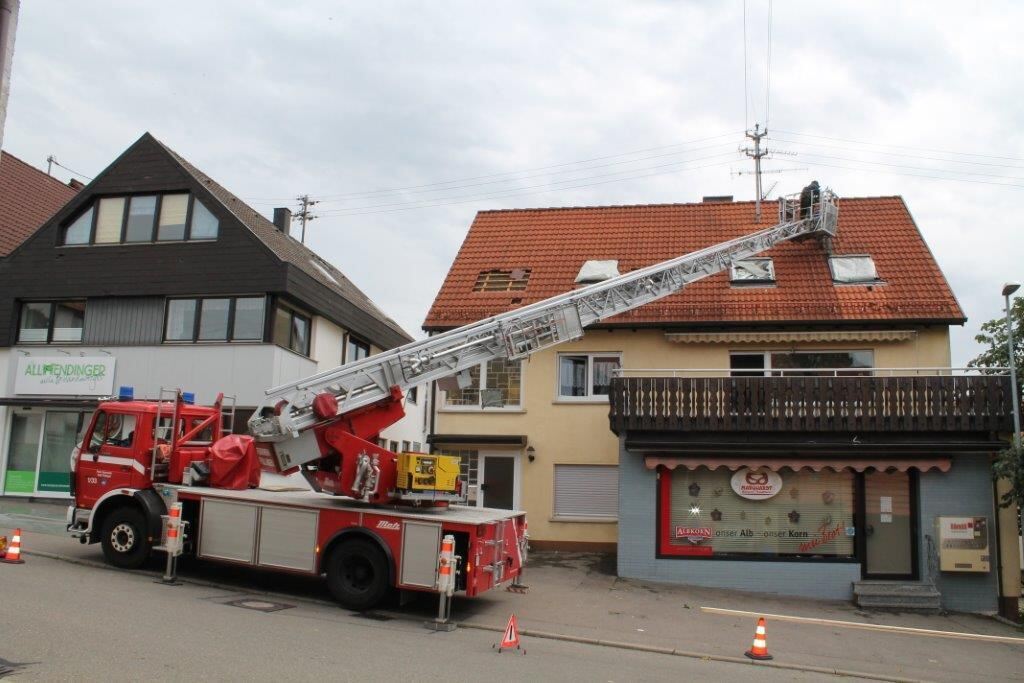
[510, 638]
[13, 555]
[759, 650]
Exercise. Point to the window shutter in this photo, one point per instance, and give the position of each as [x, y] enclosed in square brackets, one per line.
[587, 491]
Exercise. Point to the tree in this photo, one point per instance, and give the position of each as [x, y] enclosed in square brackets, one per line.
[1009, 463]
[993, 336]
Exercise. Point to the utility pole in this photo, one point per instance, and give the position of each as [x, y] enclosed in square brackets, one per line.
[8, 25]
[304, 214]
[757, 154]
[50, 161]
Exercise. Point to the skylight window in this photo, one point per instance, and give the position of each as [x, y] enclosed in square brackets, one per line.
[323, 270]
[597, 271]
[514, 280]
[753, 271]
[853, 269]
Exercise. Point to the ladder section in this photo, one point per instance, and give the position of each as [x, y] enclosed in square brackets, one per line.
[526, 330]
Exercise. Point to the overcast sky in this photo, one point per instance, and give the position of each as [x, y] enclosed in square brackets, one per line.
[346, 100]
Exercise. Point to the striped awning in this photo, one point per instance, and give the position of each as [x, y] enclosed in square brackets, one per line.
[816, 464]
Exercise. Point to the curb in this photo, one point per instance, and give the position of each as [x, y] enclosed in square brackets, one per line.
[598, 642]
[654, 649]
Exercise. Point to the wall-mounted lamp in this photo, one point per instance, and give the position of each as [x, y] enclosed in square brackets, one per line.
[24, 352]
[531, 453]
[105, 351]
[63, 351]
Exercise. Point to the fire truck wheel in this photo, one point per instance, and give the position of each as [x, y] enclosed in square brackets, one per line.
[124, 538]
[357, 574]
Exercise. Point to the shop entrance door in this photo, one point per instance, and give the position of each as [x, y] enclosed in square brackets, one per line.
[889, 526]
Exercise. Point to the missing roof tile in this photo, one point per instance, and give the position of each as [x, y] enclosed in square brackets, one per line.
[753, 271]
[514, 280]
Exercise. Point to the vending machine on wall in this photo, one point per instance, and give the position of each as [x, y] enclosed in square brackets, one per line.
[963, 544]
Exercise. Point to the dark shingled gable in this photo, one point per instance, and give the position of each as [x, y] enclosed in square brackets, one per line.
[249, 255]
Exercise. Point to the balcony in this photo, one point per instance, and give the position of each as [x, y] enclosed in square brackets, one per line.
[889, 400]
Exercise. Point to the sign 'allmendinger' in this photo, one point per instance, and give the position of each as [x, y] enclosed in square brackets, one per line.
[65, 376]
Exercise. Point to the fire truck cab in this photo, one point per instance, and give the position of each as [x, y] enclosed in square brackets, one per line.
[128, 446]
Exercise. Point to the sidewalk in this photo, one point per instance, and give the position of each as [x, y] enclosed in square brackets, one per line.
[578, 596]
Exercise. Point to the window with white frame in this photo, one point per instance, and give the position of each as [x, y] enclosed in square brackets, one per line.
[587, 491]
[495, 384]
[852, 269]
[586, 376]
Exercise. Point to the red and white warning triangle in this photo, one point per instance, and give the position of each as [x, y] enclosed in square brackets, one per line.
[511, 637]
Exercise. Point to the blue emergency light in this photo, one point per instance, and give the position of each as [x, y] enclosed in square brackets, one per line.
[188, 397]
[126, 394]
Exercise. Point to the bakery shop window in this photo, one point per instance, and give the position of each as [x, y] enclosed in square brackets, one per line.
[756, 513]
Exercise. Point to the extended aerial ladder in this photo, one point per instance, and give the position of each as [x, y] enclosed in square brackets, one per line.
[356, 400]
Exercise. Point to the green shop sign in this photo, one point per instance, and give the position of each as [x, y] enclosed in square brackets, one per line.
[18, 481]
[65, 376]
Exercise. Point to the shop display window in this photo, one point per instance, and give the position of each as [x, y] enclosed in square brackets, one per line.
[798, 514]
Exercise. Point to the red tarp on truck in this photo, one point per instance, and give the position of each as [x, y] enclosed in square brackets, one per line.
[233, 463]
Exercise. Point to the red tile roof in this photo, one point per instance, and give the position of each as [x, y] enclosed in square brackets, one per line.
[554, 244]
[27, 198]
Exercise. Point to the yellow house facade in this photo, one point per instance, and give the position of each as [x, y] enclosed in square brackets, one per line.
[561, 432]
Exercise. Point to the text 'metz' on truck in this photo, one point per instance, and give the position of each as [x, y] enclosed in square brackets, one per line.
[373, 520]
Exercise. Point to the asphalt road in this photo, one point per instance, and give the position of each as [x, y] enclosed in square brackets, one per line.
[60, 621]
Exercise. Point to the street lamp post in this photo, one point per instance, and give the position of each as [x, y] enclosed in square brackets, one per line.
[1008, 289]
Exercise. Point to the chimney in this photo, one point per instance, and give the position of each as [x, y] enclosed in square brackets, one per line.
[718, 199]
[75, 184]
[283, 220]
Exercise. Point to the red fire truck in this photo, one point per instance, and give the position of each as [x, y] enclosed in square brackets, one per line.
[373, 520]
[137, 458]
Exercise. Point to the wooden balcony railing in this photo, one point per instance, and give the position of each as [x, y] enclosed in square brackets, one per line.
[938, 403]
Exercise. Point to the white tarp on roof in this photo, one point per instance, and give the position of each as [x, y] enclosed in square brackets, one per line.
[598, 271]
[853, 269]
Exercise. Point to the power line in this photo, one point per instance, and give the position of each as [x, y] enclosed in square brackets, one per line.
[768, 72]
[551, 186]
[52, 160]
[913, 168]
[539, 175]
[507, 173]
[746, 116]
[898, 154]
[922, 149]
[915, 175]
[521, 194]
